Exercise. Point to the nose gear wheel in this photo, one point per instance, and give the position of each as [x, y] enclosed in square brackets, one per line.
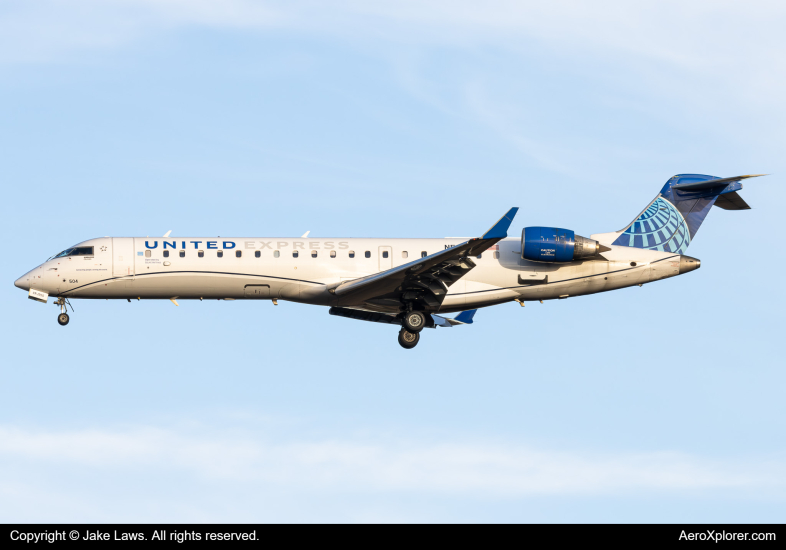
[64, 304]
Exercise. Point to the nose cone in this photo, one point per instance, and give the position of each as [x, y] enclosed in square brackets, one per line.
[688, 263]
[23, 282]
[26, 281]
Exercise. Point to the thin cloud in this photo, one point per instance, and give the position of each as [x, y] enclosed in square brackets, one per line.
[683, 62]
[703, 36]
[408, 466]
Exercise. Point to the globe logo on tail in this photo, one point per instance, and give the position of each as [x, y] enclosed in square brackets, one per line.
[660, 227]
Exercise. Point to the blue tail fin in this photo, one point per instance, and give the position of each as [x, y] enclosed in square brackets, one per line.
[670, 222]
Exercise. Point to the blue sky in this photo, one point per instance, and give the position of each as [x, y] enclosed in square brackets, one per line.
[367, 119]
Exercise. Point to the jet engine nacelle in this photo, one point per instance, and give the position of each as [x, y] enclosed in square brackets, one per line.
[552, 244]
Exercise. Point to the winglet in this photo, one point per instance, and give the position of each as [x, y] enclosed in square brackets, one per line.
[167, 233]
[500, 229]
[465, 317]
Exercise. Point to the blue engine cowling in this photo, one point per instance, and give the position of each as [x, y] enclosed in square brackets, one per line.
[552, 244]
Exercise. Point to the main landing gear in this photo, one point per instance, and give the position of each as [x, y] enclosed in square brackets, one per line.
[408, 340]
[63, 318]
[411, 324]
[414, 321]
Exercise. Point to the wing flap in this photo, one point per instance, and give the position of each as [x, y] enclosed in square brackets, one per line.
[362, 315]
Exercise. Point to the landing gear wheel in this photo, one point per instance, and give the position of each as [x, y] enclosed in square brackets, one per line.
[408, 340]
[414, 321]
[62, 319]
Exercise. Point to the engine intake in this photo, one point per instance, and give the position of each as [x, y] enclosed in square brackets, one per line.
[552, 244]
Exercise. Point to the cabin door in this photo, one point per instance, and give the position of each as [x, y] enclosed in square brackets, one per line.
[122, 257]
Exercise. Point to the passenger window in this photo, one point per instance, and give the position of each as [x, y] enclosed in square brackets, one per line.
[220, 254]
[478, 256]
[332, 253]
[294, 253]
[367, 254]
[276, 253]
[201, 253]
[496, 255]
[182, 253]
[404, 254]
[351, 253]
[313, 253]
[166, 253]
[385, 254]
[147, 253]
[238, 253]
[423, 254]
[257, 254]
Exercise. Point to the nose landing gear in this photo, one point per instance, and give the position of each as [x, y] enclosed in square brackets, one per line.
[63, 318]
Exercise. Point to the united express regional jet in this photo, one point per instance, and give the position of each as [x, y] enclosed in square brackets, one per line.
[410, 283]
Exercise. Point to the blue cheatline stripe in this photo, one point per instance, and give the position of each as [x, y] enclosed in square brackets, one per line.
[204, 272]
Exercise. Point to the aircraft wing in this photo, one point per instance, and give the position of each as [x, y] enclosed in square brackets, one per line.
[425, 280]
[463, 318]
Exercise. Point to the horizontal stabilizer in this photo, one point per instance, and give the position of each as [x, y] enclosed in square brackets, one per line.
[731, 201]
[707, 184]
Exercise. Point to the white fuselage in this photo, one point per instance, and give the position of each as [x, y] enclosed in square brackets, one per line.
[267, 268]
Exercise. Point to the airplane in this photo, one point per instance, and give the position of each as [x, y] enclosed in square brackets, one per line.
[409, 283]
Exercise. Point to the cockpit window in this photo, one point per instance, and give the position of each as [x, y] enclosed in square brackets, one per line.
[77, 251]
